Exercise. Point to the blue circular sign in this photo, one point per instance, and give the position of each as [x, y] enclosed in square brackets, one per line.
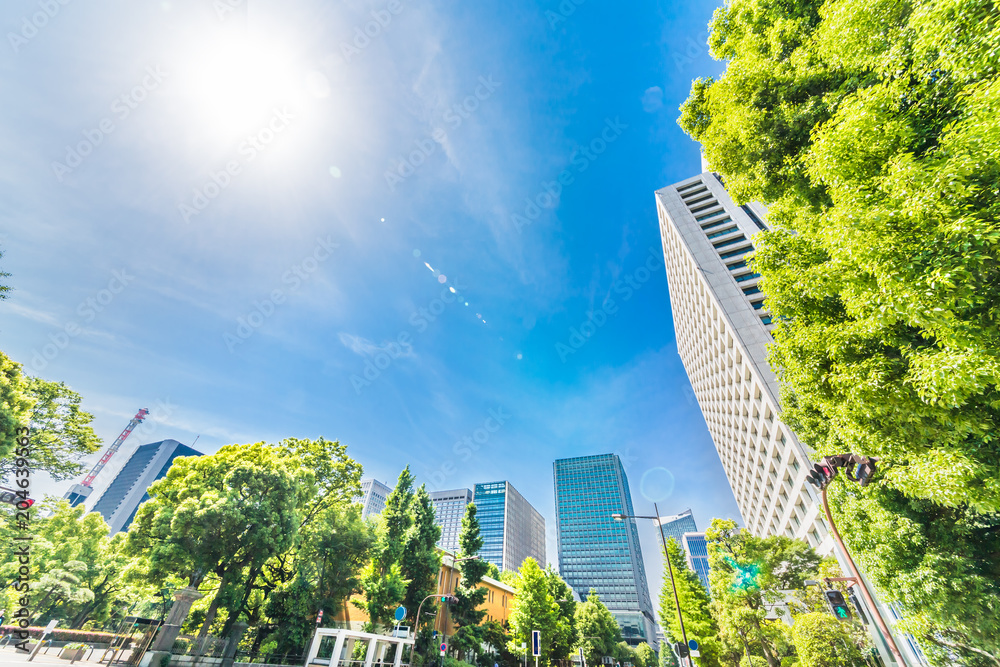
[400, 613]
[693, 645]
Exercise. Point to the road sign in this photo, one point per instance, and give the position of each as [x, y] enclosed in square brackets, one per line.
[50, 627]
[536, 643]
[400, 613]
[444, 647]
[693, 645]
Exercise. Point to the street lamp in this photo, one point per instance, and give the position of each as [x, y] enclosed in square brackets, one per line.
[666, 556]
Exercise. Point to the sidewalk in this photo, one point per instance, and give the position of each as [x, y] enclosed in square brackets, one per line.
[10, 656]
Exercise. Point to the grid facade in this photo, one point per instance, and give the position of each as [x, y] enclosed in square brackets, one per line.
[511, 528]
[595, 550]
[449, 508]
[675, 526]
[127, 491]
[723, 330]
[373, 497]
[696, 549]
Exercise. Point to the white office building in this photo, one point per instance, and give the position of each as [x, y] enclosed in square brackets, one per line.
[372, 498]
[722, 330]
[449, 508]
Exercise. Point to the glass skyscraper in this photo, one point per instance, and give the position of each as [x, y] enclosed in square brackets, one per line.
[676, 526]
[696, 547]
[511, 528]
[596, 551]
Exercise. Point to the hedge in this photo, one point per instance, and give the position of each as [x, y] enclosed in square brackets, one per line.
[62, 635]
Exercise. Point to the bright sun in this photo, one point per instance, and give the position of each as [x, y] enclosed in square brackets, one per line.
[235, 82]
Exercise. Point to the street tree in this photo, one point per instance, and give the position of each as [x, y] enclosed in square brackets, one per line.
[382, 581]
[645, 656]
[533, 608]
[748, 575]
[465, 614]
[695, 607]
[565, 635]
[15, 406]
[420, 563]
[217, 516]
[598, 630]
[822, 641]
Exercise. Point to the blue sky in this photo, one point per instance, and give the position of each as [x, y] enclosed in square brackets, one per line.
[269, 225]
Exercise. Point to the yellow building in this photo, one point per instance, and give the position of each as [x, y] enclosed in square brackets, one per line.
[499, 598]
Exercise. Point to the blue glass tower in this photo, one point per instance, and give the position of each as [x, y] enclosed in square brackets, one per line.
[511, 528]
[595, 551]
[696, 547]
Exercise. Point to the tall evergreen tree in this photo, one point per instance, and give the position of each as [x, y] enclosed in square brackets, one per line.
[695, 606]
[420, 563]
[382, 581]
[466, 614]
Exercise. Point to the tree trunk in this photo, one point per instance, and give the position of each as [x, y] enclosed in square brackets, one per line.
[210, 614]
[235, 613]
[771, 660]
[959, 645]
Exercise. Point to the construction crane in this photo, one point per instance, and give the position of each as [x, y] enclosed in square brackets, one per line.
[80, 492]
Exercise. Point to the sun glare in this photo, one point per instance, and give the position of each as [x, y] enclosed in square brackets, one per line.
[236, 81]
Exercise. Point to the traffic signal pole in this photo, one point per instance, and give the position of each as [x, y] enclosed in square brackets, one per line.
[876, 612]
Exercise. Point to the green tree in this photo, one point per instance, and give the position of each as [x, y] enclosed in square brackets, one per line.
[598, 630]
[465, 614]
[667, 657]
[872, 132]
[822, 641]
[749, 574]
[15, 406]
[565, 635]
[60, 431]
[533, 608]
[216, 515]
[625, 654]
[645, 656]
[420, 563]
[382, 581]
[695, 606]
[4, 289]
[940, 562]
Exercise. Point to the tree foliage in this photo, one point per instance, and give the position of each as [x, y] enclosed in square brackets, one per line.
[871, 130]
[645, 656]
[14, 406]
[750, 574]
[564, 635]
[822, 641]
[533, 608]
[695, 607]
[598, 630]
[466, 614]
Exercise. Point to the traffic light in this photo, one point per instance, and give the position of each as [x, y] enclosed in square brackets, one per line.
[859, 469]
[838, 604]
[820, 475]
[449, 599]
[866, 468]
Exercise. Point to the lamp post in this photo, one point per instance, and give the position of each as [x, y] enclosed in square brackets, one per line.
[666, 556]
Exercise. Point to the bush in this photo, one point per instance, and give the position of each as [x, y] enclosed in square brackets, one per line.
[60, 635]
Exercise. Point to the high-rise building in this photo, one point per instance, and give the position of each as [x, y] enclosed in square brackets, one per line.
[120, 501]
[675, 526]
[449, 508]
[723, 330]
[372, 498]
[596, 551]
[511, 528]
[696, 550]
